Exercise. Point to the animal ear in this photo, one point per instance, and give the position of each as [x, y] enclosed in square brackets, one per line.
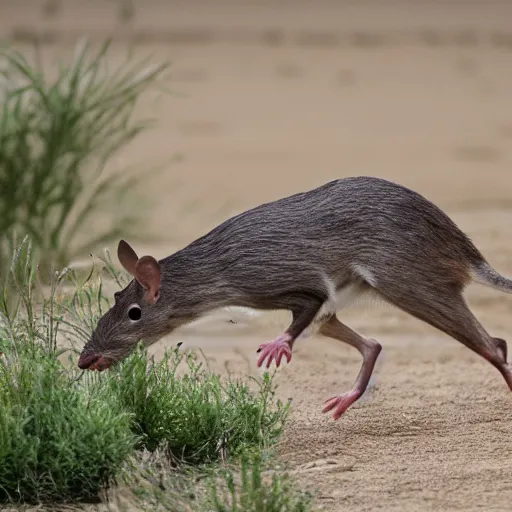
[148, 274]
[127, 257]
[145, 270]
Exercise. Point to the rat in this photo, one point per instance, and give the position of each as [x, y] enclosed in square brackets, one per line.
[312, 254]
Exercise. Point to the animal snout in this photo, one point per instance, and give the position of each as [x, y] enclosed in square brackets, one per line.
[86, 360]
[93, 362]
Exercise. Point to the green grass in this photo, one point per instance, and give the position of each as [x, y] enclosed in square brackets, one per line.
[66, 435]
[177, 402]
[252, 483]
[57, 139]
[56, 443]
[252, 486]
[198, 417]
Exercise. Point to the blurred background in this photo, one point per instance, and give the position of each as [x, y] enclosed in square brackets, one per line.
[269, 98]
[265, 98]
[261, 99]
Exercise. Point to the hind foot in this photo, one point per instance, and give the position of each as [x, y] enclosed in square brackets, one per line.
[341, 403]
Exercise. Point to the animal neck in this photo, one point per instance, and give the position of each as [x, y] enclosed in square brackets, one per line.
[196, 281]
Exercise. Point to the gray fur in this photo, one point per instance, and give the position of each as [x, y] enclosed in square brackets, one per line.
[293, 253]
[483, 273]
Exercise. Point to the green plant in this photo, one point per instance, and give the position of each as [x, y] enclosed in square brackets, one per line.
[197, 416]
[251, 483]
[66, 434]
[153, 483]
[177, 402]
[56, 139]
[56, 441]
[251, 488]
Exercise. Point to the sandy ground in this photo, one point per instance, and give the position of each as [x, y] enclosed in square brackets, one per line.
[256, 121]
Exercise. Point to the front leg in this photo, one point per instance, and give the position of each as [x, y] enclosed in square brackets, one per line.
[304, 310]
[276, 349]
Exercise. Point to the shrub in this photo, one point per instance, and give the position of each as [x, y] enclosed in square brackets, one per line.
[56, 139]
[56, 441]
[66, 434]
[252, 488]
[253, 483]
[198, 416]
[177, 403]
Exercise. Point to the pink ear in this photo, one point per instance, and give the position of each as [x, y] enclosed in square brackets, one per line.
[145, 270]
[148, 274]
[127, 257]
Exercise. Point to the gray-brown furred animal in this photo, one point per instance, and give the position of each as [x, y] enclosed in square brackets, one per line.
[311, 254]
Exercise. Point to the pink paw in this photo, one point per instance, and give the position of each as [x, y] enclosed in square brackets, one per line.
[341, 403]
[275, 350]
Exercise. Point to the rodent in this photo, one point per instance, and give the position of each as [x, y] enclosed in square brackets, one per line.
[310, 253]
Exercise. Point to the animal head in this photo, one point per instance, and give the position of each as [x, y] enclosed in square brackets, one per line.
[137, 314]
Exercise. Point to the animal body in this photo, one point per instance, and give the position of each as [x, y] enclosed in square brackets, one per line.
[310, 253]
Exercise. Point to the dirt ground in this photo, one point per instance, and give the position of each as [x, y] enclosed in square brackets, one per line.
[258, 119]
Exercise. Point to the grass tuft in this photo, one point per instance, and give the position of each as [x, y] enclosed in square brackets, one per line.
[57, 138]
[56, 443]
[66, 435]
[197, 416]
[252, 487]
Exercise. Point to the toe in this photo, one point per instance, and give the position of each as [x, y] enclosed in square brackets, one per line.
[340, 409]
[338, 412]
[285, 353]
[261, 360]
[263, 355]
[330, 404]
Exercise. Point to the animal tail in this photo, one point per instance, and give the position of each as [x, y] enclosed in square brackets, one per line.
[484, 274]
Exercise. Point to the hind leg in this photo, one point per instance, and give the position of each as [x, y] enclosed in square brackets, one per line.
[502, 345]
[447, 310]
[370, 351]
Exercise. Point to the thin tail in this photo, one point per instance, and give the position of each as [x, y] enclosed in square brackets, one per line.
[483, 273]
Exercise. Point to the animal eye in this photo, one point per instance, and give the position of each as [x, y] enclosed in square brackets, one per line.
[116, 296]
[134, 313]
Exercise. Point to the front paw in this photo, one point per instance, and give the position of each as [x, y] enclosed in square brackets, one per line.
[275, 350]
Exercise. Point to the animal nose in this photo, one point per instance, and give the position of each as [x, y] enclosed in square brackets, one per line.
[87, 360]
